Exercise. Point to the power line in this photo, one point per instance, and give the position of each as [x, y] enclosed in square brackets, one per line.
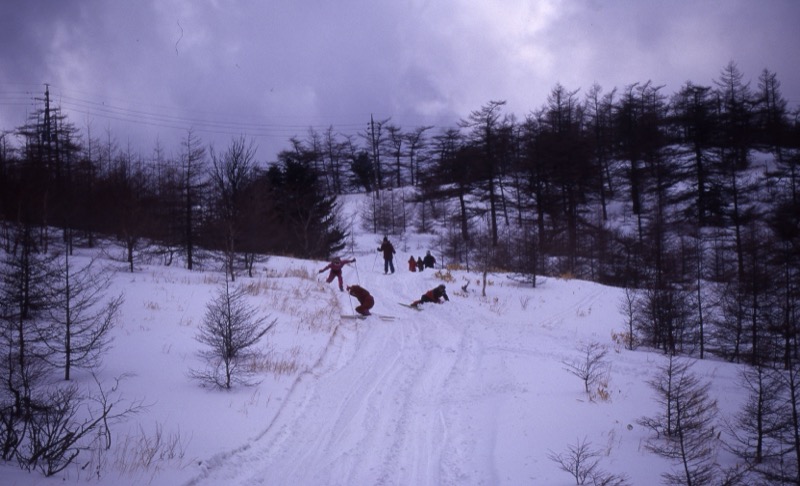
[76, 102]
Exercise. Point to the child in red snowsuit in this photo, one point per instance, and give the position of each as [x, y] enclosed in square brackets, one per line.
[412, 264]
[336, 270]
[365, 300]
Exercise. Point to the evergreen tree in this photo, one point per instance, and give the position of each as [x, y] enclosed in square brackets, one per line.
[599, 109]
[486, 129]
[308, 218]
[192, 183]
[451, 177]
[566, 156]
[694, 116]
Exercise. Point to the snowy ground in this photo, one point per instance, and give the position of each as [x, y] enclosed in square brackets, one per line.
[473, 391]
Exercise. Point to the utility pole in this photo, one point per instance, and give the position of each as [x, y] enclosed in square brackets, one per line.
[376, 154]
[42, 134]
[47, 133]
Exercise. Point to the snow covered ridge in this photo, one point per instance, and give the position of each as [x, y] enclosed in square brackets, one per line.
[478, 390]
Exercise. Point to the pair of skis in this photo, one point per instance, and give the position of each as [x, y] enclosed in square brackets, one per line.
[380, 316]
[359, 316]
[415, 307]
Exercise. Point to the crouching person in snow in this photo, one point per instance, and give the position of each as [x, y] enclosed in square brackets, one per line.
[365, 300]
[335, 267]
[433, 295]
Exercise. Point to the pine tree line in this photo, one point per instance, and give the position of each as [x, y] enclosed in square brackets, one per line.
[689, 200]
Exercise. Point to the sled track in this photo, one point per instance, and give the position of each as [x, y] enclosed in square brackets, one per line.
[373, 410]
[223, 459]
[572, 309]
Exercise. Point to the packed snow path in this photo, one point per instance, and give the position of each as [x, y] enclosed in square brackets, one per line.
[416, 401]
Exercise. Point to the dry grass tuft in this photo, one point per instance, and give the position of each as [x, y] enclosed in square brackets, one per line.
[445, 276]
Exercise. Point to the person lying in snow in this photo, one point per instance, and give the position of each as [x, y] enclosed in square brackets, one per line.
[365, 300]
[433, 295]
[336, 270]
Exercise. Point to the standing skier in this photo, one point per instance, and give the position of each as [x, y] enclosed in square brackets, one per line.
[388, 255]
[336, 270]
[429, 260]
[365, 300]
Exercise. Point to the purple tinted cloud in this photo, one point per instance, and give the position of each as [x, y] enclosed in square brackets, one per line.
[269, 70]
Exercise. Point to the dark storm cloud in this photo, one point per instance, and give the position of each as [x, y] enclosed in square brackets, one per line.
[269, 70]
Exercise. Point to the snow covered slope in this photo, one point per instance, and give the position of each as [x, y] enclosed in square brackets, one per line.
[472, 391]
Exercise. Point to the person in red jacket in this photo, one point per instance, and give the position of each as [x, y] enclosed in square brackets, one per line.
[434, 295]
[365, 300]
[335, 267]
[412, 264]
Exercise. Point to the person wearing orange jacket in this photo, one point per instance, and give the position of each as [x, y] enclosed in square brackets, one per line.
[412, 264]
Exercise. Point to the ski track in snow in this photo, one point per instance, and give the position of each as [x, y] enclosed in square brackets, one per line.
[413, 388]
[339, 412]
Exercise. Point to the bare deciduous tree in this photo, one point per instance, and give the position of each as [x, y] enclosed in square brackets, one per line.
[591, 367]
[230, 330]
[230, 173]
[583, 463]
[627, 307]
[685, 427]
[67, 422]
[25, 276]
[756, 429]
[81, 319]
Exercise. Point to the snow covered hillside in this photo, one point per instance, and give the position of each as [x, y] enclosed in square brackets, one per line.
[472, 391]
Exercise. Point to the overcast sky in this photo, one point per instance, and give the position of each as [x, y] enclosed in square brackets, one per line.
[270, 69]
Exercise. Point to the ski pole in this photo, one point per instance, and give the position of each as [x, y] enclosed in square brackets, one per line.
[350, 298]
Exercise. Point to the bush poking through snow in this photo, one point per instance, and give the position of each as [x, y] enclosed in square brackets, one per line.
[583, 462]
[146, 451]
[591, 367]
